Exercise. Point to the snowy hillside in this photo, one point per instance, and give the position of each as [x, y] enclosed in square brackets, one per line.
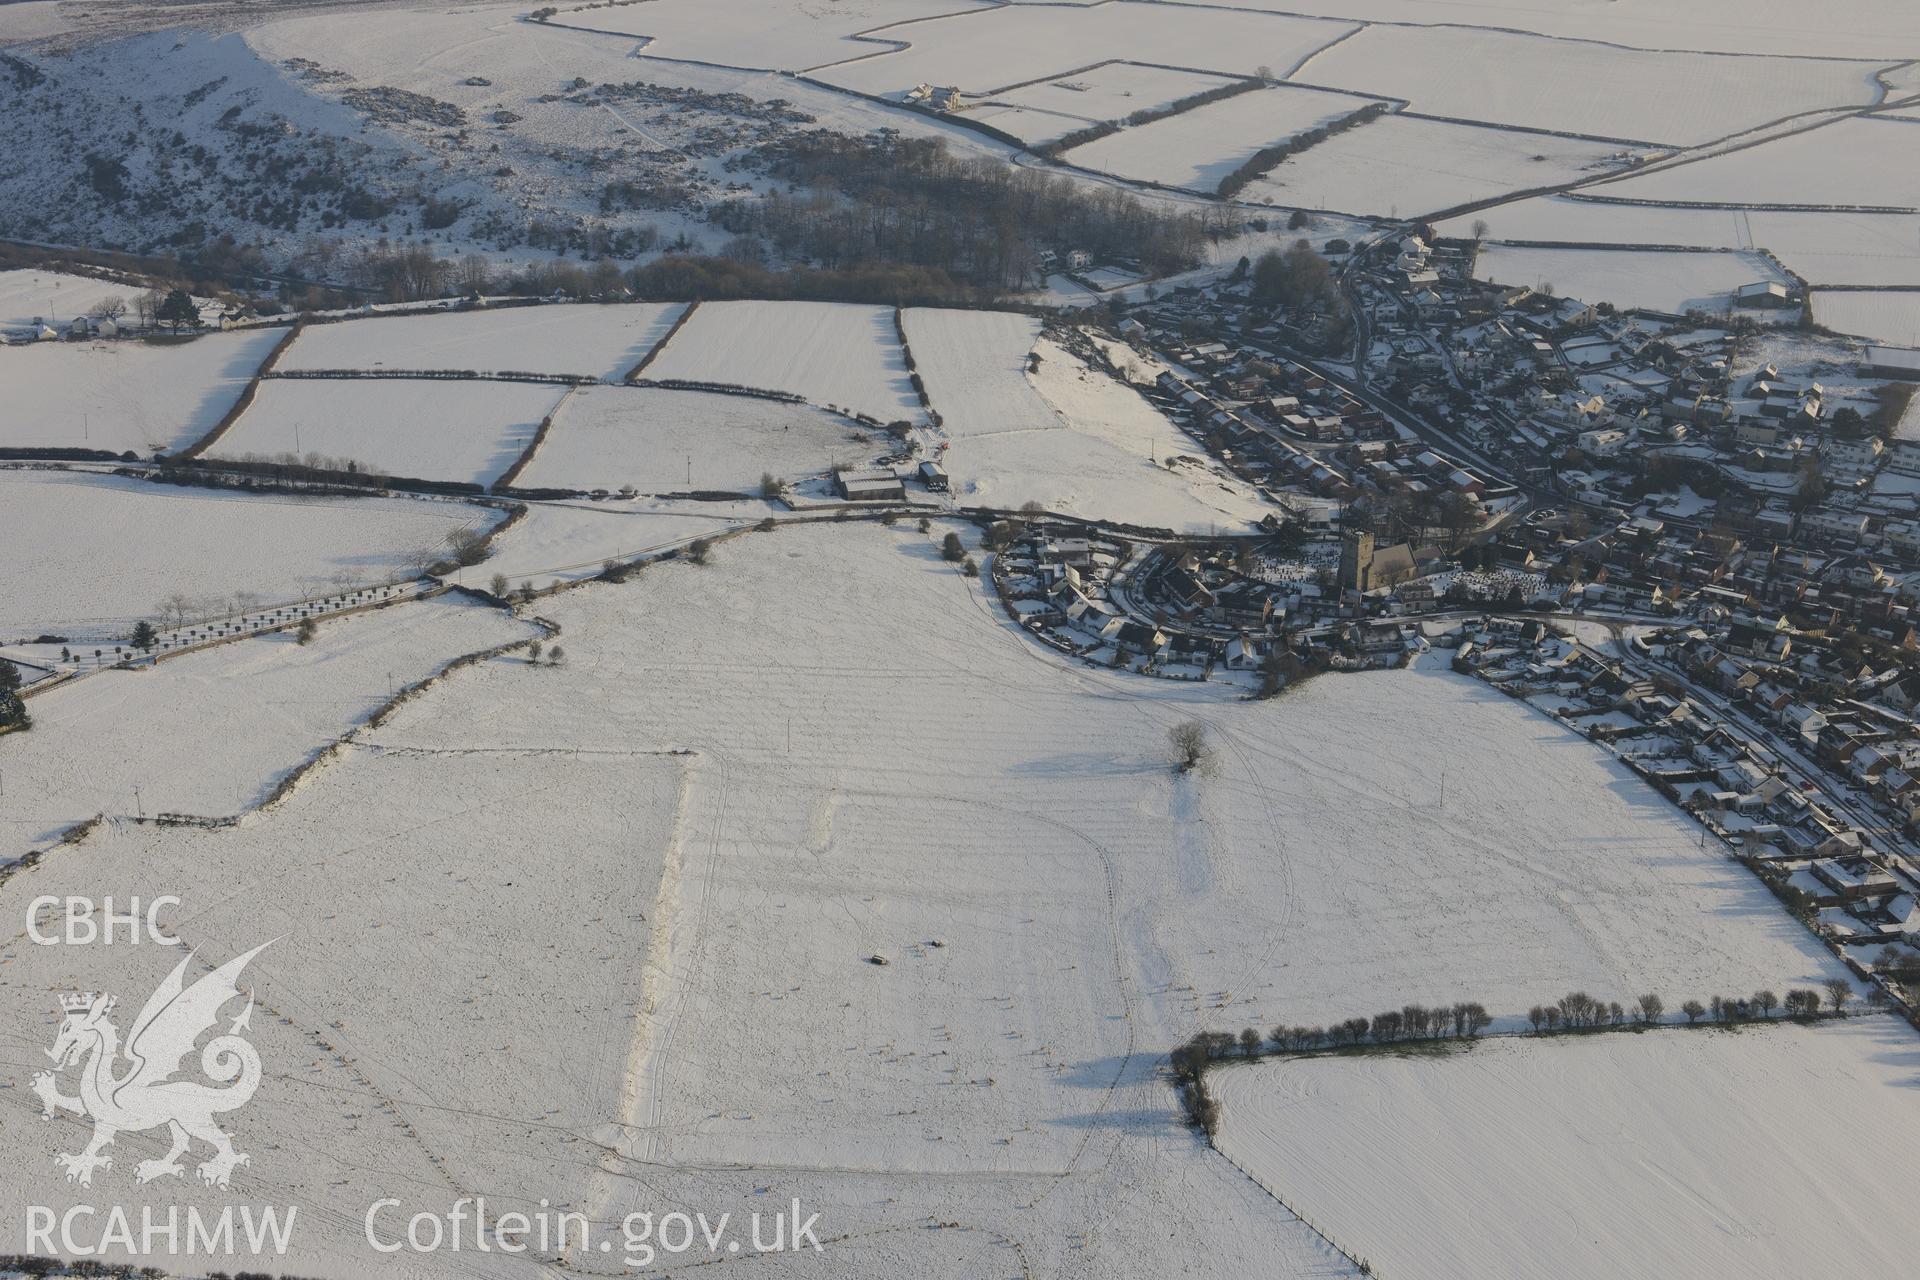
[215, 141]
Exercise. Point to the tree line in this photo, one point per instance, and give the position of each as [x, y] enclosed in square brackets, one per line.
[676, 278]
[1267, 159]
[885, 198]
[1575, 1011]
[1466, 1019]
[1146, 115]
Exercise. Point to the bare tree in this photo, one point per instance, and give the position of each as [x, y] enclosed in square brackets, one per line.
[1480, 229]
[1838, 991]
[475, 274]
[468, 546]
[1651, 1007]
[1693, 1009]
[1576, 1009]
[1476, 1017]
[174, 608]
[1766, 1002]
[1188, 740]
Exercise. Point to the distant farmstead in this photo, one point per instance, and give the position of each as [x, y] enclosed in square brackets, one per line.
[939, 97]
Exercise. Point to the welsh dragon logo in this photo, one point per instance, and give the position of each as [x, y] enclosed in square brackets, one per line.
[131, 1089]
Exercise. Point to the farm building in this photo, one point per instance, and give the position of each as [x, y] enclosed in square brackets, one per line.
[1763, 293]
[871, 486]
[1894, 362]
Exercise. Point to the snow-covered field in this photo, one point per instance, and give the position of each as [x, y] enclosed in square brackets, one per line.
[1595, 89]
[1756, 1154]
[988, 49]
[125, 395]
[662, 441]
[422, 428]
[1877, 315]
[1674, 282]
[1422, 166]
[1196, 149]
[411, 1050]
[1103, 452]
[1105, 473]
[87, 556]
[1872, 29]
[568, 541]
[54, 297]
[30, 20]
[1028, 124]
[1862, 161]
[1566, 872]
[1825, 248]
[593, 341]
[837, 355]
[786, 35]
[209, 733]
[890, 769]
[975, 367]
[1110, 92]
